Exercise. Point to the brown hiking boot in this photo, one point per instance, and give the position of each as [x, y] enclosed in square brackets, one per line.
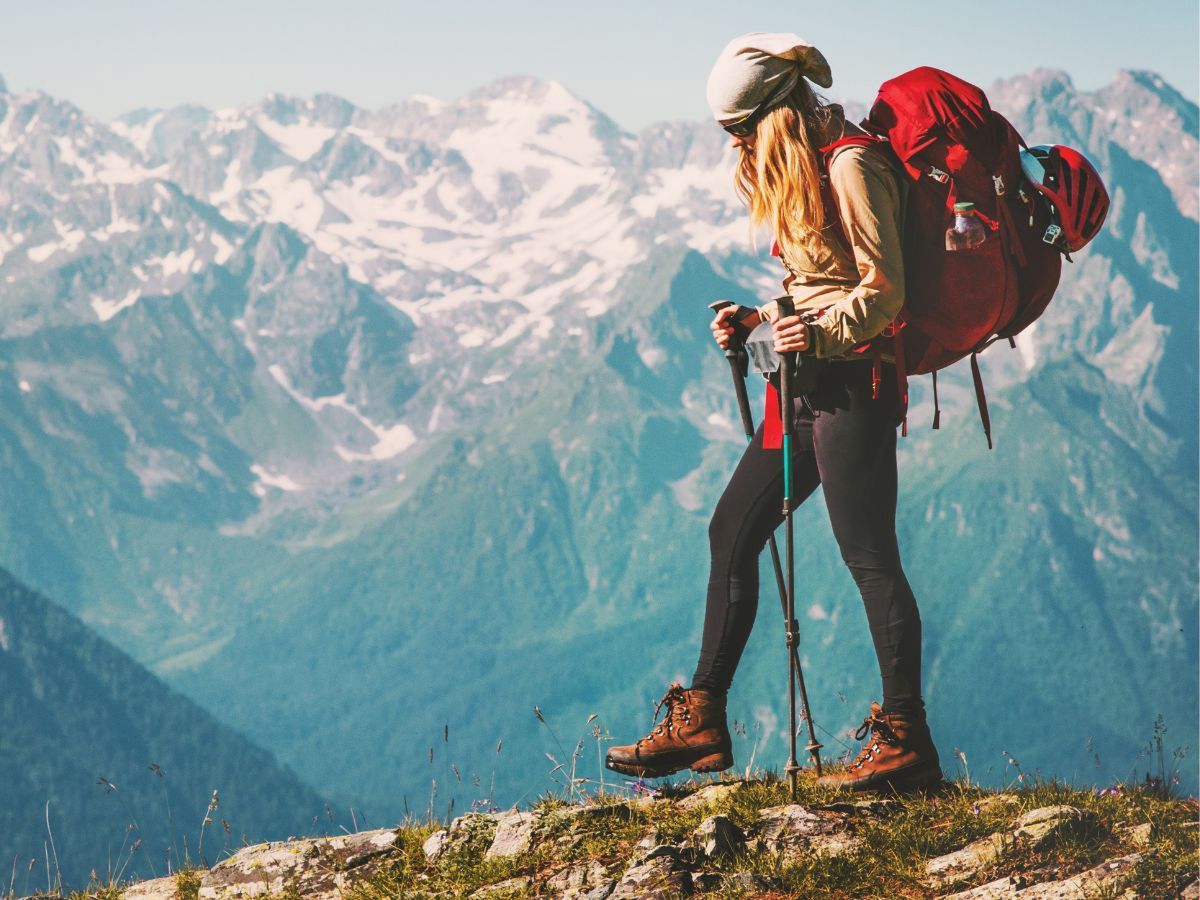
[899, 756]
[692, 735]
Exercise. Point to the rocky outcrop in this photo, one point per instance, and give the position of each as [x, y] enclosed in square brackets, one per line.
[660, 847]
[1095, 882]
[315, 869]
[1033, 830]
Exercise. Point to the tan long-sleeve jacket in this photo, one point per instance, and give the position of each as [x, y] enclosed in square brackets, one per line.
[860, 295]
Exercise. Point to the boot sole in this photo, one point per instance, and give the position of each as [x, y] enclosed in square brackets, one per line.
[915, 779]
[713, 762]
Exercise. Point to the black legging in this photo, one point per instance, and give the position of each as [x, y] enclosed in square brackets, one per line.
[844, 441]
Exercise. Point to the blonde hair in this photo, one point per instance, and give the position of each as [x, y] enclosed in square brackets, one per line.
[779, 180]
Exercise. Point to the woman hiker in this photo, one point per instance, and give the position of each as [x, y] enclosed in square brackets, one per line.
[845, 438]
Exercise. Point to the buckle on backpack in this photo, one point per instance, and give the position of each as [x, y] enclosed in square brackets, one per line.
[1052, 235]
[938, 175]
[998, 181]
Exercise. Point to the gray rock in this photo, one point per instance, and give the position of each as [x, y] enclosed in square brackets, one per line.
[795, 831]
[1048, 814]
[579, 881]
[435, 845]
[1035, 829]
[718, 836]
[164, 888]
[510, 887]
[959, 865]
[1040, 827]
[466, 829]
[1104, 878]
[650, 839]
[316, 868]
[712, 793]
[1138, 835]
[986, 804]
[662, 876]
[514, 834]
[999, 889]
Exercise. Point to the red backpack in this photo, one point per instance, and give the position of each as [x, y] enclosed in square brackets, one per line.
[953, 147]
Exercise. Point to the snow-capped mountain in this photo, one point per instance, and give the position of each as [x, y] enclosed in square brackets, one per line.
[422, 399]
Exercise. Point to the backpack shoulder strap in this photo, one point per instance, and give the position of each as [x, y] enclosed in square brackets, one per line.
[855, 140]
[828, 152]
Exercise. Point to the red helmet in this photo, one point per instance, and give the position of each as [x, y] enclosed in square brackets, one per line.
[1073, 187]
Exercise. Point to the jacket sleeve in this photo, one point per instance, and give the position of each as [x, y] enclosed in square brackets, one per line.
[871, 204]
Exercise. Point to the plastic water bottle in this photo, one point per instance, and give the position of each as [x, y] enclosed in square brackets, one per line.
[967, 231]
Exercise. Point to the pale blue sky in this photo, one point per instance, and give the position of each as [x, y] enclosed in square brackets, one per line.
[638, 60]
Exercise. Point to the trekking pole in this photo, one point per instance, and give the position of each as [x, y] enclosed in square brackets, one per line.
[787, 371]
[738, 367]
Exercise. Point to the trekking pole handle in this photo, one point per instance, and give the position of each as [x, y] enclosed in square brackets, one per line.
[741, 331]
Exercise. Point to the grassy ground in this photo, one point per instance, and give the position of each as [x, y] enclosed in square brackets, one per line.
[890, 862]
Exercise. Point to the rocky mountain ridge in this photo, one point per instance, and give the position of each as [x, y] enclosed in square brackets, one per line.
[729, 838]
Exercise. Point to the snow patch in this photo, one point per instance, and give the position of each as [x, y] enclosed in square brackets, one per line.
[283, 482]
[289, 199]
[389, 441]
[473, 338]
[106, 309]
[299, 141]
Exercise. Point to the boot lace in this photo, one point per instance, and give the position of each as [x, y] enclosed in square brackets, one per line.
[678, 712]
[881, 731]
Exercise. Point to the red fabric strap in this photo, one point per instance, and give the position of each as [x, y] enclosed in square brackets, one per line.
[772, 420]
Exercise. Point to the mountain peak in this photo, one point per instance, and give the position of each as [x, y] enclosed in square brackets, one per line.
[324, 109]
[1142, 78]
[529, 89]
[1147, 82]
[1047, 81]
[3, 85]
